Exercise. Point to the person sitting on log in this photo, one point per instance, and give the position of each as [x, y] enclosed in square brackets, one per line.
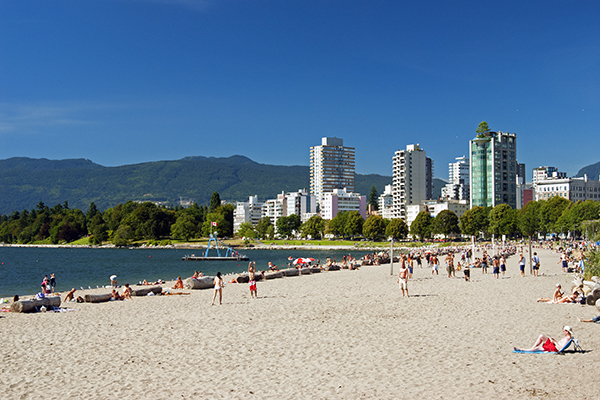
[558, 294]
[126, 292]
[69, 296]
[197, 274]
[115, 295]
[178, 283]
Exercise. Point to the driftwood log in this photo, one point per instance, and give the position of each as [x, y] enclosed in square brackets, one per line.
[315, 270]
[23, 306]
[596, 294]
[242, 278]
[333, 267]
[97, 298]
[305, 271]
[204, 282]
[145, 291]
[290, 272]
[273, 274]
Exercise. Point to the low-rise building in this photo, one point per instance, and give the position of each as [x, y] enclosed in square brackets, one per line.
[340, 200]
[573, 189]
[247, 211]
[434, 207]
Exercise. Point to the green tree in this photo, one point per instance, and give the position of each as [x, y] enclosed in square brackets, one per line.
[123, 235]
[336, 225]
[286, 226]
[374, 227]
[246, 231]
[215, 202]
[374, 198]
[98, 229]
[354, 224]
[185, 227]
[528, 218]
[445, 223]
[503, 220]
[314, 227]
[572, 217]
[397, 229]
[222, 227]
[551, 211]
[475, 221]
[482, 129]
[421, 226]
[262, 227]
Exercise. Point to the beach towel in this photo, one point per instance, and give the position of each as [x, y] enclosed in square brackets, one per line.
[558, 351]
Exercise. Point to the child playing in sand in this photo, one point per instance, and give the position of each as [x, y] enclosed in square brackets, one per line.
[252, 279]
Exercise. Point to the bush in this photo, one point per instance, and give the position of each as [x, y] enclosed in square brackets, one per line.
[592, 265]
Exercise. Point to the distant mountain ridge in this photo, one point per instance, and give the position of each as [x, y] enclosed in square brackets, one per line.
[24, 182]
[592, 171]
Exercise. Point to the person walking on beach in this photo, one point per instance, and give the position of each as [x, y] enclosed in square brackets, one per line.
[484, 261]
[522, 264]
[52, 282]
[252, 279]
[536, 264]
[450, 265]
[434, 265]
[403, 279]
[218, 289]
[502, 265]
[496, 267]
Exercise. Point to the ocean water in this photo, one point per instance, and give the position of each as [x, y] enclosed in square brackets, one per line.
[22, 269]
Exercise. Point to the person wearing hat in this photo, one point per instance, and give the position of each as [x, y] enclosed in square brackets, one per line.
[546, 343]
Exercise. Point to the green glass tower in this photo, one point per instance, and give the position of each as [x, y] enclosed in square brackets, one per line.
[494, 169]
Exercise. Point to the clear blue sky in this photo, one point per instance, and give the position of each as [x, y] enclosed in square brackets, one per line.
[129, 81]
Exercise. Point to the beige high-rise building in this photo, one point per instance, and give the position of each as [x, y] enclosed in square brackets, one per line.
[412, 179]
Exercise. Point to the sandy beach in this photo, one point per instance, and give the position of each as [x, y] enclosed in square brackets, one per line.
[333, 335]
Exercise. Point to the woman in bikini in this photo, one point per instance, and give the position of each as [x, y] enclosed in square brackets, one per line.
[546, 343]
[218, 289]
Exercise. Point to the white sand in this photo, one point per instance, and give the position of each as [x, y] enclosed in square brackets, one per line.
[335, 335]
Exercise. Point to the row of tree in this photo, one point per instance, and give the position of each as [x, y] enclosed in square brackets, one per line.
[146, 221]
[120, 225]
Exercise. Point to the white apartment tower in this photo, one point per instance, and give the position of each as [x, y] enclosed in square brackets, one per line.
[331, 167]
[411, 179]
[458, 186]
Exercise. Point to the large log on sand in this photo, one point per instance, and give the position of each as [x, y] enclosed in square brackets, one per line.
[273, 274]
[145, 291]
[315, 270]
[333, 267]
[204, 282]
[305, 271]
[290, 272]
[23, 306]
[97, 298]
[242, 279]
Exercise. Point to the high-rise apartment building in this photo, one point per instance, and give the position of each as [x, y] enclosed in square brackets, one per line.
[458, 187]
[331, 167]
[494, 169]
[412, 180]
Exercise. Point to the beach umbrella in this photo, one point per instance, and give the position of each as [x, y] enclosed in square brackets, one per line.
[299, 261]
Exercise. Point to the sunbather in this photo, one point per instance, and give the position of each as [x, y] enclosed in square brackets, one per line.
[69, 296]
[558, 294]
[126, 292]
[546, 343]
[178, 283]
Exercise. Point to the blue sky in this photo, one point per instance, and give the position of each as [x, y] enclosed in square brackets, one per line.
[129, 81]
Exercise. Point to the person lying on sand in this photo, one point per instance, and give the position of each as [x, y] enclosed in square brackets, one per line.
[595, 319]
[558, 294]
[178, 283]
[158, 282]
[546, 343]
[115, 295]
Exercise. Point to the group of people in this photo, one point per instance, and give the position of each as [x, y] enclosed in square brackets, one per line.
[48, 285]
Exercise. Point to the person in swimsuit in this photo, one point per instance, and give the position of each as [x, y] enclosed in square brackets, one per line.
[558, 294]
[178, 283]
[484, 261]
[52, 282]
[467, 272]
[434, 264]
[69, 296]
[546, 343]
[403, 279]
[502, 265]
[218, 289]
[522, 264]
[252, 281]
[496, 267]
[127, 293]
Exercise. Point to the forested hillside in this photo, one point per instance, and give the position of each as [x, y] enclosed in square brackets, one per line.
[24, 182]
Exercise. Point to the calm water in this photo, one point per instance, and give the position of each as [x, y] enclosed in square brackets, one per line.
[22, 269]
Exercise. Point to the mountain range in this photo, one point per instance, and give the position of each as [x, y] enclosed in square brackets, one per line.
[24, 182]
